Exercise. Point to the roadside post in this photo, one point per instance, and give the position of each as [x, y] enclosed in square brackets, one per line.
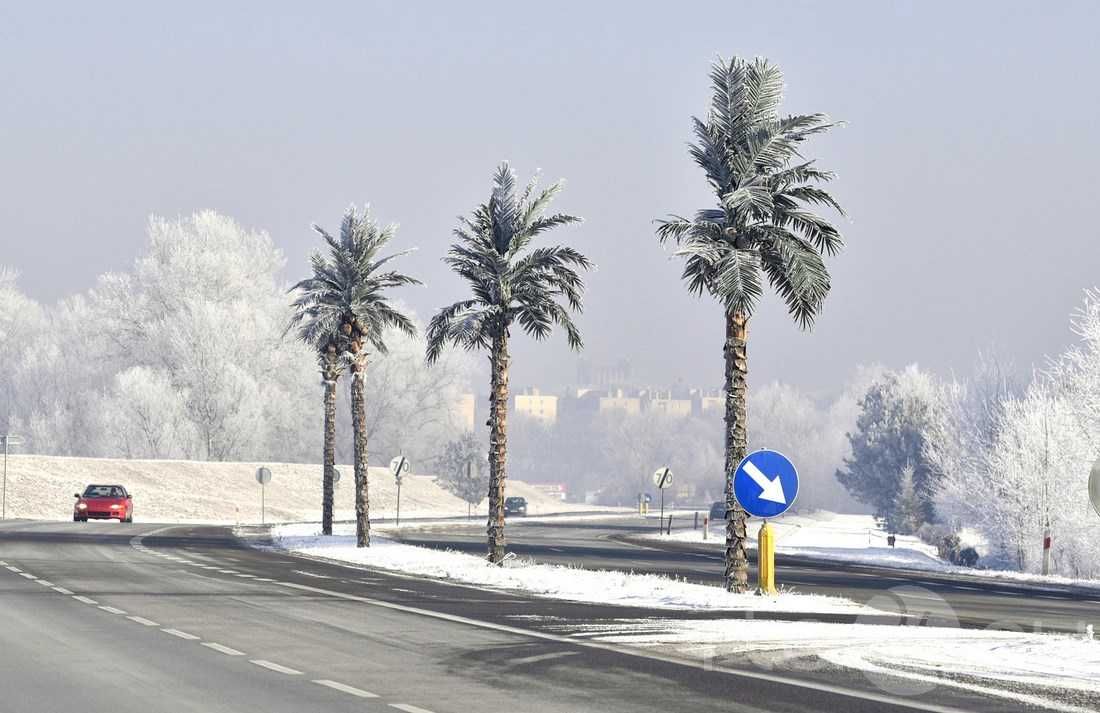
[662, 478]
[1046, 549]
[765, 485]
[263, 477]
[399, 466]
[9, 440]
[1094, 486]
[706, 524]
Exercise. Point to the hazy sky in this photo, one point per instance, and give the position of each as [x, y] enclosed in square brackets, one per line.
[968, 165]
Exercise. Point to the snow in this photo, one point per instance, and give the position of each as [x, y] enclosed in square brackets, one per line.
[42, 487]
[857, 539]
[603, 587]
[1042, 668]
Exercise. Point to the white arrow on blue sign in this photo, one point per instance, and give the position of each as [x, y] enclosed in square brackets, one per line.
[765, 483]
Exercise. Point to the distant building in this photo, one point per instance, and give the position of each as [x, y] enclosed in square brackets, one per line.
[618, 401]
[535, 404]
[666, 403]
[712, 404]
[465, 411]
[603, 376]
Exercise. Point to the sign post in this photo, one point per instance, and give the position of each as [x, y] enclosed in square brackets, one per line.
[766, 485]
[9, 440]
[662, 478]
[399, 466]
[263, 477]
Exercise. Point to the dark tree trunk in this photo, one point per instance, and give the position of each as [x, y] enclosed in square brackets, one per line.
[737, 369]
[498, 445]
[359, 428]
[329, 372]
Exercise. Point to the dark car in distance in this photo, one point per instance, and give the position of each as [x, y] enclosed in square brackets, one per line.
[718, 510]
[515, 506]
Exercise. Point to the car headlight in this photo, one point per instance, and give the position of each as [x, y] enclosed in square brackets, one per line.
[116, 507]
[81, 506]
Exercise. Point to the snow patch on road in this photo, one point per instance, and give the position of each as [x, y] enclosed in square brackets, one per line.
[603, 587]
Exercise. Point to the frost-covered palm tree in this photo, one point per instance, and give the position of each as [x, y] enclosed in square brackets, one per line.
[510, 285]
[763, 228]
[341, 311]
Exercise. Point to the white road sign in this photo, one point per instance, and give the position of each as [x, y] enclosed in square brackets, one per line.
[399, 466]
[263, 476]
[662, 477]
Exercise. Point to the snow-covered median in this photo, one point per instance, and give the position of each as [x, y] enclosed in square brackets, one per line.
[602, 587]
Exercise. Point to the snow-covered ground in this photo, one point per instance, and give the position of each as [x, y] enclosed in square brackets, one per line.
[545, 580]
[855, 539]
[42, 487]
[1050, 671]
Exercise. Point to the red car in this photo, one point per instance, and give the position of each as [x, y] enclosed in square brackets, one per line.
[104, 502]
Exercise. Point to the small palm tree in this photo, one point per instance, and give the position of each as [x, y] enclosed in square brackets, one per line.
[762, 228]
[510, 285]
[341, 310]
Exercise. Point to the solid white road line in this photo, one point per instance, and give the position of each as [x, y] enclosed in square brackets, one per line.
[409, 709]
[275, 667]
[62, 590]
[181, 634]
[86, 600]
[222, 649]
[143, 621]
[545, 657]
[346, 688]
[112, 610]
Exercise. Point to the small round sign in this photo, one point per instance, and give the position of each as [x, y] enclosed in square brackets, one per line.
[1094, 486]
[335, 476]
[399, 466]
[662, 477]
[263, 476]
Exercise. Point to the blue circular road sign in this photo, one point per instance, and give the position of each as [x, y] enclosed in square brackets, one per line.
[765, 483]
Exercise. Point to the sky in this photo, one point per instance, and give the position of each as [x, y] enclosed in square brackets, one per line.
[968, 154]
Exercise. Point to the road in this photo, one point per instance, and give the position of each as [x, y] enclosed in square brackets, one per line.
[111, 617]
[613, 543]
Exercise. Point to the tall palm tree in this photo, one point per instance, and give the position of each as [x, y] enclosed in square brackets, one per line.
[341, 311]
[763, 227]
[510, 285]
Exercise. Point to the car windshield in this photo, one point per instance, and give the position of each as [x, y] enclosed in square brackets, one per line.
[104, 491]
[515, 501]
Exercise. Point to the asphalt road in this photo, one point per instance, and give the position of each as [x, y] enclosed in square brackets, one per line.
[111, 617]
[613, 543]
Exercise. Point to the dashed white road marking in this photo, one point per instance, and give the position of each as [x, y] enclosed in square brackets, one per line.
[545, 657]
[62, 590]
[228, 571]
[12, 569]
[275, 667]
[247, 576]
[181, 634]
[86, 600]
[27, 575]
[264, 579]
[344, 688]
[112, 610]
[143, 621]
[222, 649]
[409, 709]
[44, 583]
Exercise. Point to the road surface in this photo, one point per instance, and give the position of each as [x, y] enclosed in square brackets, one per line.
[140, 618]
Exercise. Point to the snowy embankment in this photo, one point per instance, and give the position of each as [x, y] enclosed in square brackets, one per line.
[42, 487]
[1058, 672]
[856, 539]
[575, 584]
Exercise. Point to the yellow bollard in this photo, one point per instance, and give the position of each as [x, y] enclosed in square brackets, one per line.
[765, 561]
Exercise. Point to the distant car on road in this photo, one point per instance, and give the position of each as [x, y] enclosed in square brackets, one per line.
[718, 511]
[515, 506]
[104, 502]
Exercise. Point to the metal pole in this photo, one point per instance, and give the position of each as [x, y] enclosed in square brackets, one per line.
[399, 501]
[661, 522]
[4, 509]
[263, 505]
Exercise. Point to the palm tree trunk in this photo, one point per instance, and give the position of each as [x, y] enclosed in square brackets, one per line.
[498, 445]
[737, 369]
[359, 427]
[329, 374]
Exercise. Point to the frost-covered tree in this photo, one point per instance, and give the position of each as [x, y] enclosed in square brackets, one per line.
[907, 514]
[347, 296]
[511, 285]
[764, 228]
[462, 470]
[900, 415]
